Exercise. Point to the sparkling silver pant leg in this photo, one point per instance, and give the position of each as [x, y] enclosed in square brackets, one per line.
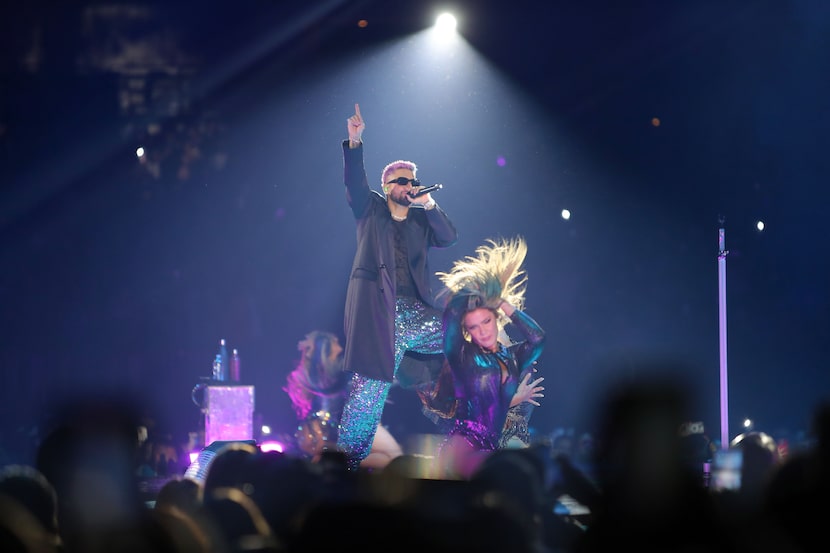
[361, 416]
[417, 328]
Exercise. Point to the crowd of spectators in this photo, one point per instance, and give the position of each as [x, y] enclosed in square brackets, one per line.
[629, 484]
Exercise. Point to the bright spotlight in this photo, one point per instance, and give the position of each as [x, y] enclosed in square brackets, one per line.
[760, 225]
[445, 24]
[566, 214]
[139, 152]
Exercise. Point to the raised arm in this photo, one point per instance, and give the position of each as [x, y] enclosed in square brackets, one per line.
[354, 173]
[453, 333]
[529, 351]
[356, 126]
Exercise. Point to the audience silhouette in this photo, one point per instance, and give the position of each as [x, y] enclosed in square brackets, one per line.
[82, 493]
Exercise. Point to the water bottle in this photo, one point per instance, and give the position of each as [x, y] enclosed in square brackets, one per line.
[223, 351]
[218, 368]
[235, 365]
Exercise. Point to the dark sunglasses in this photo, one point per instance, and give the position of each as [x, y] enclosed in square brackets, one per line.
[403, 181]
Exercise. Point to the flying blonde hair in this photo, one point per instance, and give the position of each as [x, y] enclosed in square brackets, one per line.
[494, 274]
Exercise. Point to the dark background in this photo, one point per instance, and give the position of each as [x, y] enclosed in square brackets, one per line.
[651, 122]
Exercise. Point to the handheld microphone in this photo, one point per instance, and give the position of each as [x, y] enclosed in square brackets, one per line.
[426, 190]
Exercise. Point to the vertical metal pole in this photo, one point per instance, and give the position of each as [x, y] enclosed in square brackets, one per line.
[724, 390]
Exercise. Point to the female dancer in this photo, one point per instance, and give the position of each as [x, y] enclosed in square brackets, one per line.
[495, 388]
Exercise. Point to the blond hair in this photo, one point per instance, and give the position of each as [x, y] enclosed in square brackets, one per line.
[493, 275]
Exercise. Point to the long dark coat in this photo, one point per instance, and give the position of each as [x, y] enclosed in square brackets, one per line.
[369, 321]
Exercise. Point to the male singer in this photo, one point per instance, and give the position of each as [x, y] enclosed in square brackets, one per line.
[389, 307]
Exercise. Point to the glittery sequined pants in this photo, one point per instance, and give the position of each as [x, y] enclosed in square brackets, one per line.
[417, 328]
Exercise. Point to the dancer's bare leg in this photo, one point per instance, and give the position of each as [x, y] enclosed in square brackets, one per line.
[384, 449]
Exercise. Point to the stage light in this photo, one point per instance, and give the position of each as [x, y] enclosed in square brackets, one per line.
[445, 23]
[760, 225]
[566, 214]
[265, 430]
[139, 152]
[443, 32]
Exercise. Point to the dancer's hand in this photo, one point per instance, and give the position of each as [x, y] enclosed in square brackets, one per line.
[527, 391]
